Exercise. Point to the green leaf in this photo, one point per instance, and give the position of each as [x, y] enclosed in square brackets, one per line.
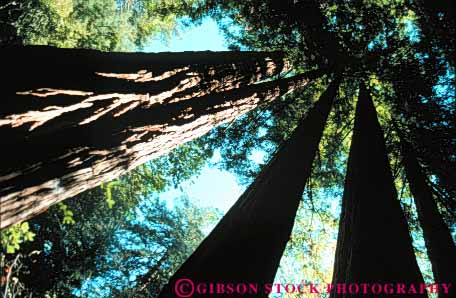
[10, 249]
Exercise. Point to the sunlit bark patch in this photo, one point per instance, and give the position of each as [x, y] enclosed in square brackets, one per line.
[104, 119]
[143, 75]
[45, 92]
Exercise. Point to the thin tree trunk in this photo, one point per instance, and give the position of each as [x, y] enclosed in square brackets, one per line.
[439, 243]
[247, 244]
[374, 244]
[98, 115]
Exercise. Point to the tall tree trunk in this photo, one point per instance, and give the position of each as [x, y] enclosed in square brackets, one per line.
[93, 116]
[374, 244]
[247, 244]
[439, 243]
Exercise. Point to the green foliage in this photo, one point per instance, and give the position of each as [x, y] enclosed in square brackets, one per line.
[150, 247]
[67, 214]
[70, 24]
[309, 253]
[76, 248]
[107, 25]
[108, 187]
[13, 236]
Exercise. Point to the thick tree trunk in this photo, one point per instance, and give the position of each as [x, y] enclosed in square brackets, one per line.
[71, 119]
[374, 244]
[439, 243]
[247, 244]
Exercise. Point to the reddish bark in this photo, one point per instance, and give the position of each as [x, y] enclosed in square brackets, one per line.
[93, 116]
[247, 244]
[437, 237]
[374, 245]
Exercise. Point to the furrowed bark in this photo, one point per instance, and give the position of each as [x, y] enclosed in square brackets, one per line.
[374, 245]
[247, 244]
[437, 237]
[64, 137]
[90, 70]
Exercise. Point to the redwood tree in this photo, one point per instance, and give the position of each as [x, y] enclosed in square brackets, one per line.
[247, 244]
[79, 117]
[437, 237]
[374, 244]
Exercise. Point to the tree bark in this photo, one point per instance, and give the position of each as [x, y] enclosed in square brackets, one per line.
[93, 116]
[437, 237]
[374, 244]
[247, 244]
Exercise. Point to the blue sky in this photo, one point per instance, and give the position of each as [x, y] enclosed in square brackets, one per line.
[204, 37]
[213, 187]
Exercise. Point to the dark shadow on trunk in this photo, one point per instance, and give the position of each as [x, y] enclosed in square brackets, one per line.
[439, 243]
[374, 245]
[247, 244]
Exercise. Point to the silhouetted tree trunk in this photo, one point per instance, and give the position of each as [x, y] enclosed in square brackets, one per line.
[374, 245]
[71, 119]
[439, 243]
[247, 244]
